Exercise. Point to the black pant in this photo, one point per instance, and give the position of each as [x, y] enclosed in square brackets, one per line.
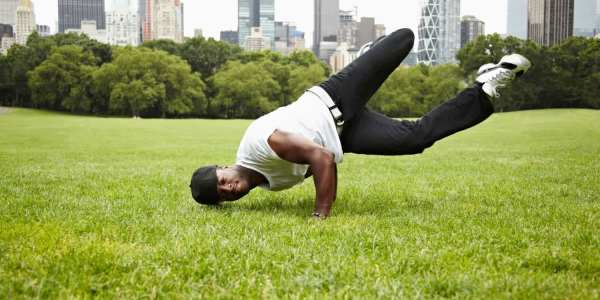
[369, 132]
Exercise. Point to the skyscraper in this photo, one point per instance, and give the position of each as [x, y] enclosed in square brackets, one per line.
[366, 31]
[550, 21]
[72, 12]
[327, 23]
[348, 30]
[517, 18]
[256, 13]
[8, 11]
[439, 32]
[122, 22]
[25, 21]
[586, 17]
[164, 20]
[470, 29]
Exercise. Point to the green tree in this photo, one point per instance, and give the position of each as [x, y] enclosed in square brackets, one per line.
[207, 56]
[5, 84]
[142, 80]
[244, 91]
[20, 61]
[168, 46]
[402, 94]
[304, 77]
[103, 52]
[62, 81]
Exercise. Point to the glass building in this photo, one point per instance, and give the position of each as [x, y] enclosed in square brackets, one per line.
[72, 12]
[439, 32]
[470, 29]
[550, 21]
[256, 13]
[327, 23]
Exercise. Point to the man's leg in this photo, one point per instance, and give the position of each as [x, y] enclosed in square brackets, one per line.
[373, 133]
[352, 87]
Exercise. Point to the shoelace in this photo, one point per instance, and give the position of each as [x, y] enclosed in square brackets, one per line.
[503, 77]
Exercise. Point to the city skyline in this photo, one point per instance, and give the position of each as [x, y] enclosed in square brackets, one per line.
[223, 14]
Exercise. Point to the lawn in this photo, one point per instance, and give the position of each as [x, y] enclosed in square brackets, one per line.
[100, 207]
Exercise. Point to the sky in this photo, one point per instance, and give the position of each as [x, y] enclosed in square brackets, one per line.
[213, 16]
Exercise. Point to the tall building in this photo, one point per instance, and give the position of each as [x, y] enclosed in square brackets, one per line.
[229, 36]
[348, 30]
[366, 31]
[341, 58]
[256, 13]
[517, 18]
[586, 18]
[439, 32]
[180, 20]
[141, 18]
[287, 38]
[470, 29]
[550, 21]
[72, 12]
[379, 30]
[327, 23]
[256, 41]
[163, 19]
[25, 21]
[122, 23]
[8, 11]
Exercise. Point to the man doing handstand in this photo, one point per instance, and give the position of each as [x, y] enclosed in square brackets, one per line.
[309, 137]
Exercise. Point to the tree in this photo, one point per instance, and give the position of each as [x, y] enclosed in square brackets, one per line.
[207, 56]
[20, 61]
[304, 77]
[5, 84]
[168, 46]
[142, 81]
[103, 52]
[402, 94]
[62, 81]
[243, 91]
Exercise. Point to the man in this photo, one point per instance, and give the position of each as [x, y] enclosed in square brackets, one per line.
[308, 137]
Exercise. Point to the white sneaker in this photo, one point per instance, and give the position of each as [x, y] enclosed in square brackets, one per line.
[494, 77]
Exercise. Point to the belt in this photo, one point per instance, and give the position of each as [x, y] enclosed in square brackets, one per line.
[336, 113]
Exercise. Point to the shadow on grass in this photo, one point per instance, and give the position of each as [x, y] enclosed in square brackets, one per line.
[302, 207]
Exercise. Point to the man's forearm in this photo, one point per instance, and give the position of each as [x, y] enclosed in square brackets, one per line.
[325, 177]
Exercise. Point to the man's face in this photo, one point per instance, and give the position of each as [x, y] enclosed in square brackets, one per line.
[231, 186]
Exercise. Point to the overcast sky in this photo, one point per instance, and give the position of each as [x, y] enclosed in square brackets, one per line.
[213, 16]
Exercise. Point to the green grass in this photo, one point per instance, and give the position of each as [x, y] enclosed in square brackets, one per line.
[100, 207]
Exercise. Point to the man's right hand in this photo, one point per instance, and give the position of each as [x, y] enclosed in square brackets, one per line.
[298, 149]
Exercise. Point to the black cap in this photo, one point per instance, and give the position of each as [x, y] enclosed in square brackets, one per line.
[204, 186]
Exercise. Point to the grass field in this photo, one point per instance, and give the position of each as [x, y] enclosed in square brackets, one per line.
[100, 207]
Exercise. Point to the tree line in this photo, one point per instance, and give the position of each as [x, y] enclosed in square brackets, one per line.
[207, 78]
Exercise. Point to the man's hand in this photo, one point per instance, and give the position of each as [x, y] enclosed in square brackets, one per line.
[298, 149]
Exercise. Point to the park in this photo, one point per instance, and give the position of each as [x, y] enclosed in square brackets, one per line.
[100, 207]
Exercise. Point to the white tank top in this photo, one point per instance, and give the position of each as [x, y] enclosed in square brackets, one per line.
[309, 117]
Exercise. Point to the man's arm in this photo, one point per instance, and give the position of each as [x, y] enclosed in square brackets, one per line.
[297, 149]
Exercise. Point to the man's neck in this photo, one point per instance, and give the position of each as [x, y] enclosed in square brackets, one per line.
[254, 178]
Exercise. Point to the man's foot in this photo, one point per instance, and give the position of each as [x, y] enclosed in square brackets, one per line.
[494, 77]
